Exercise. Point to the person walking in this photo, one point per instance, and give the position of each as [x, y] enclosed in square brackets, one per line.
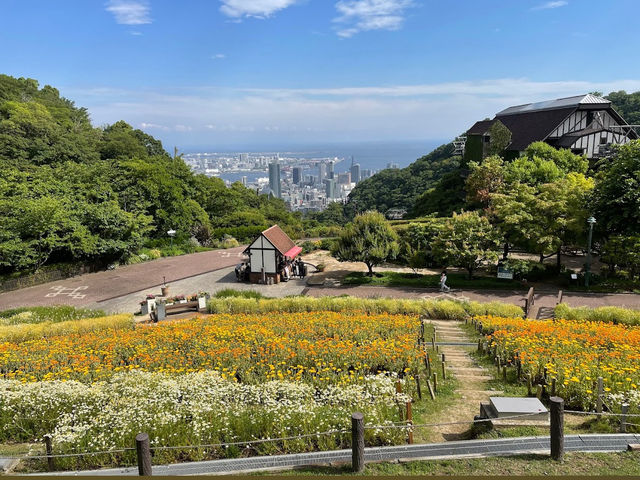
[443, 282]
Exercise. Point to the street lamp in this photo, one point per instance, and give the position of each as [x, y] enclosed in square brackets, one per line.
[171, 233]
[591, 221]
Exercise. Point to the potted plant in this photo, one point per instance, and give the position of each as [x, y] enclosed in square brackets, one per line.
[181, 299]
[165, 287]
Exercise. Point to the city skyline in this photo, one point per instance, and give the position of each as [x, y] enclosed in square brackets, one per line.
[240, 74]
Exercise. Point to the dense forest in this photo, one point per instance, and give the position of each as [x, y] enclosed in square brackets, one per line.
[435, 183]
[70, 191]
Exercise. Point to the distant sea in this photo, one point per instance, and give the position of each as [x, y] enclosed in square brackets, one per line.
[370, 155]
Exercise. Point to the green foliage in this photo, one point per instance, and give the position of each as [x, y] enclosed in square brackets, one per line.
[369, 239]
[600, 314]
[467, 240]
[484, 179]
[621, 252]
[71, 192]
[399, 188]
[500, 137]
[230, 292]
[627, 105]
[437, 309]
[616, 198]
[446, 197]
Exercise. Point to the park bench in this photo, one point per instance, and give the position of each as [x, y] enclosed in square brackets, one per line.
[162, 309]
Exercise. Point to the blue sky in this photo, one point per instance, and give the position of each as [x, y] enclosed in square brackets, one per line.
[234, 73]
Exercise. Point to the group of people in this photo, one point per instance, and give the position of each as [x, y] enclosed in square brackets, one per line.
[292, 269]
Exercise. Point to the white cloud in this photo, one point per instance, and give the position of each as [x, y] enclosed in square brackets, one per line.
[363, 15]
[218, 56]
[213, 115]
[550, 5]
[129, 12]
[253, 8]
[153, 126]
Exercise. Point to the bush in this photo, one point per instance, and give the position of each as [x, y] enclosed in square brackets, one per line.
[601, 314]
[532, 270]
[437, 309]
[60, 313]
[230, 293]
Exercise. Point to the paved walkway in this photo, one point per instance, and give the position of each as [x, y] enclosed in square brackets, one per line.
[471, 378]
[88, 289]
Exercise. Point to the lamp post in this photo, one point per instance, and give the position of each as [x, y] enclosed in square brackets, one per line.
[591, 221]
[171, 233]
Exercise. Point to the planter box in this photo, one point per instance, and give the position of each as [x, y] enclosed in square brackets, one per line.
[202, 303]
[147, 306]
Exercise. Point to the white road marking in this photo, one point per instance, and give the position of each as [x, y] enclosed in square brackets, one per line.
[69, 292]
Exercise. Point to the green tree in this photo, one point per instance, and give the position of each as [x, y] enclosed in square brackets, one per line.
[485, 179]
[616, 198]
[500, 137]
[467, 241]
[368, 239]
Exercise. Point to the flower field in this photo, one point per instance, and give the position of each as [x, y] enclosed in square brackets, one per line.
[220, 379]
[318, 347]
[576, 353]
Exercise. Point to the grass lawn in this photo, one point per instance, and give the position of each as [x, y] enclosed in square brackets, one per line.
[454, 280]
[624, 463]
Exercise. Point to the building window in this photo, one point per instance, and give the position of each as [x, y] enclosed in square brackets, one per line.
[577, 151]
[603, 140]
[487, 139]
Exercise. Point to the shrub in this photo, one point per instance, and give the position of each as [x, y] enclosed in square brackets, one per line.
[441, 309]
[601, 314]
[230, 292]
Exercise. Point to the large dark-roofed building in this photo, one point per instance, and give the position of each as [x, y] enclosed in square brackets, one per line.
[585, 124]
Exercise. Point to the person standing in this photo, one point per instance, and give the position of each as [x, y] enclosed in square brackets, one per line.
[443, 282]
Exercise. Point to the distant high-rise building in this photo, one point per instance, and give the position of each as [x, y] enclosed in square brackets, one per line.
[366, 173]
[330, 187]
[244, 157]
[274, 178]
[355, 173]
[297, 175]
[244, 180]
[393, 165]
[330, 171]
[344, 178]
[322, 172]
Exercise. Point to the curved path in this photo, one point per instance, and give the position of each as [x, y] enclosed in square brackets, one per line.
[432, 451]
[90, 288]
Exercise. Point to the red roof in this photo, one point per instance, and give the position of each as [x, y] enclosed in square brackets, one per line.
[293, 253]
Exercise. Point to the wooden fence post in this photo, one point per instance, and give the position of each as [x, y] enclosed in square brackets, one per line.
[504, 373]
[623, 418]
[410, 422]
[519, 367]
[49, 449]
[444, 370]
[557, 428]
[418, 386]
[554, 382]
[435, 382]
[600, 395]
[357, 442]
[143, 452]
[479, 345]
[431, 392]
[529, 385]
[539, 390]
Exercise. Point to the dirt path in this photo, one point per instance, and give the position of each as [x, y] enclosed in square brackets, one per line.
[472, 382]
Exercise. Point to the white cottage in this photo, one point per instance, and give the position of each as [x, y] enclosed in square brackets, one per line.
[269, 253]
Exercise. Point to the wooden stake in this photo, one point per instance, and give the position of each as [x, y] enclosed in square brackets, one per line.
[435, 382]
[49, 449]
[418, 387]
[431, 392]
[600, 395]
[357, 442]
[144, 455]
[410, 421]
